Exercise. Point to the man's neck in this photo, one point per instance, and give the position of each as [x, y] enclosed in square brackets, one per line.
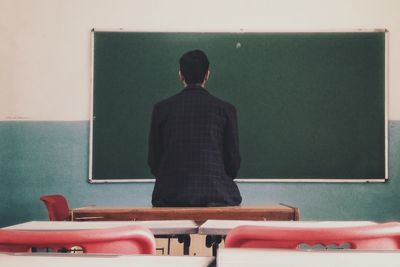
[194, 84]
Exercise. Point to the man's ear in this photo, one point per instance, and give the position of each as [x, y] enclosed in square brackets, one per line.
[207, 76]
[181, 76]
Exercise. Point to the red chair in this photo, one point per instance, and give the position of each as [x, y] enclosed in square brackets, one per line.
[131, 239]
[385, 236]
[57, 207]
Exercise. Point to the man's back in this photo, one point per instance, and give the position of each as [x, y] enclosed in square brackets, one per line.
[194, 150]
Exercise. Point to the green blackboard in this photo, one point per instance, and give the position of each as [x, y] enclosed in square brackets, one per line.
[310, 105]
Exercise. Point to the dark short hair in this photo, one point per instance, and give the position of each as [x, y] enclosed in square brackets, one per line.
[194, 66]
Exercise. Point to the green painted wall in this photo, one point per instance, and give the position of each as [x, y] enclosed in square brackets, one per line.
[39, 158]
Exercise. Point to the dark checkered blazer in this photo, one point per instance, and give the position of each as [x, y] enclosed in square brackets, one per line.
[194, 150]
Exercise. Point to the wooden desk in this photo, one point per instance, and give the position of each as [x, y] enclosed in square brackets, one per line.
[156, 227]
[289, 258]
[85, 260]
[275, 212]
[222, 227]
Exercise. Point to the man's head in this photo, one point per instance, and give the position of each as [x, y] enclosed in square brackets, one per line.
[194, 67]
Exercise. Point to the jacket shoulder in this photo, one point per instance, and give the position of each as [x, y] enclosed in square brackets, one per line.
[221, 102]
[165, 102]
[225, 104]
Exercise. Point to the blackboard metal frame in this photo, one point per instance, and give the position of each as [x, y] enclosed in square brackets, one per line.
[247, 180]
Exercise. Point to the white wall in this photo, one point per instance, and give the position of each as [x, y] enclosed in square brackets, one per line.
[45, 44]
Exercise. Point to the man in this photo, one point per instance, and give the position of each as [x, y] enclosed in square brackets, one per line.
[193, 143]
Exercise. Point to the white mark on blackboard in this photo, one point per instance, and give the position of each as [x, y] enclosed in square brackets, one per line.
[238, 45]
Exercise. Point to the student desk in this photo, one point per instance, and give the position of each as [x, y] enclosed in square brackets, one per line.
[216, 229]
[164, 229]
[85, 260]
[234, 257]
[156, 227]
[222, 227]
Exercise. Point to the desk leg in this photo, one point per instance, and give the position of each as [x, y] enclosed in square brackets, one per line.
[213, 241]
[169, 246]
[185, 239]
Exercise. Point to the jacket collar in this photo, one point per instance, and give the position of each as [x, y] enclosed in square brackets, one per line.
[192, 87]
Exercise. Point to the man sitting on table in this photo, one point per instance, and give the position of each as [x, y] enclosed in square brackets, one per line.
[193, 143]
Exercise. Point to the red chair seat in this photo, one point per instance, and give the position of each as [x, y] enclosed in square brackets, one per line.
[131, 239]
[385, 236]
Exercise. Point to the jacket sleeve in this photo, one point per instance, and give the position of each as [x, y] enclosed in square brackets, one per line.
[232, 157]
[155, 143]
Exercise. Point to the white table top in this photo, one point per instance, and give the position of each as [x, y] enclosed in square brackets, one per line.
[175, 227]
[156, 227]
[291, 258]
[222, 227]
[85, 260]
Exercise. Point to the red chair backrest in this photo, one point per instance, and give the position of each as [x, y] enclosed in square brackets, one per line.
[57, 207]
[131, 239]
[385, 236]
